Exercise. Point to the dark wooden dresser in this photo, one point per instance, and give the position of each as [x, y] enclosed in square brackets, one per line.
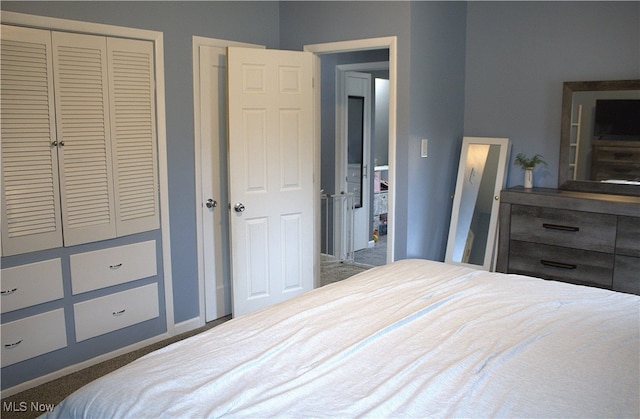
[577, 237]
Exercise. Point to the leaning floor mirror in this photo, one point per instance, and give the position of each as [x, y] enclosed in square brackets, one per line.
[474, 219]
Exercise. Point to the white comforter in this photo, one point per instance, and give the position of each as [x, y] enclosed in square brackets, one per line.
[411, 339]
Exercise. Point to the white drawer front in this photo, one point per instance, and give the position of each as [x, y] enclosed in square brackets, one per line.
[112, 312]
[117, 265]
[32, 336]
[31, 284]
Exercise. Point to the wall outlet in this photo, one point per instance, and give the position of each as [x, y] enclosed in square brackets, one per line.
[424, 148]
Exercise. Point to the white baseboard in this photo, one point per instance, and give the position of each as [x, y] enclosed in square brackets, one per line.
[188, 325]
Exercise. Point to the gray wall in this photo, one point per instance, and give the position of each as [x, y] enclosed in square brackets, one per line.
[437, 106]
[520, 53]
[430, 99]
[477, 68]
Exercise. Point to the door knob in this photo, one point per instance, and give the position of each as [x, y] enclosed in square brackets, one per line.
[211, 203]
[239, 207]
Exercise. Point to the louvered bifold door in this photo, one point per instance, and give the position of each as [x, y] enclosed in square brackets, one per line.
[82, 108]
[133, 134]
[30, 191]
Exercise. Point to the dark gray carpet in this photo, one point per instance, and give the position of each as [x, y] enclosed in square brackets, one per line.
[55, 391]
[373, 256]
[337, 271]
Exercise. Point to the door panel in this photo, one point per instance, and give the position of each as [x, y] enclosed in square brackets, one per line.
[353, 155]
[271, 187]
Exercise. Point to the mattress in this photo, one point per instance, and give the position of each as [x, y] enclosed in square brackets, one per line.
[414, 338]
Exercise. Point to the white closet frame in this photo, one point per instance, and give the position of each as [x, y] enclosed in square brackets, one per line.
[48, 23]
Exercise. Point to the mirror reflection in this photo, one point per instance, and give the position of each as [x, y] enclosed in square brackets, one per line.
[605, 136]
[475, 207]
[600, 145]
[481, 176]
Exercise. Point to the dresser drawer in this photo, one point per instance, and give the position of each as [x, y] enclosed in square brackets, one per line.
[31, 284]
[562, 264]
[568, 228]
[626, 274]
[628, 240]
[112, 312]
[32, 336]
[117, 265]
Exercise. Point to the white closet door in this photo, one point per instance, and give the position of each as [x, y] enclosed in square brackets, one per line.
[82, 108]
[30, 189]
[133, 134]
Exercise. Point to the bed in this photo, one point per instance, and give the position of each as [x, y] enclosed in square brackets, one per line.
[414, 338]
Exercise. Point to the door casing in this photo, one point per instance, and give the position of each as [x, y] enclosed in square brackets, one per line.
[390, 43]
[318, 49]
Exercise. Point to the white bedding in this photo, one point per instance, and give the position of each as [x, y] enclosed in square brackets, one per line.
[411, 339]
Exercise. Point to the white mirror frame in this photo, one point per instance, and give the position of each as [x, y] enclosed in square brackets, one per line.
[500, 182]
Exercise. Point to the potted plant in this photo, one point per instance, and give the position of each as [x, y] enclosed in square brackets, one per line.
[528, 164]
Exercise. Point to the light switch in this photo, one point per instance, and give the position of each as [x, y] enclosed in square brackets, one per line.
[424, 152]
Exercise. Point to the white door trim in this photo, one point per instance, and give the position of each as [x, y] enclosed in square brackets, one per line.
[389, 42]
[203, 163]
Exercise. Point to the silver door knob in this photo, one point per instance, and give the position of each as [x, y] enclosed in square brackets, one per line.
[239, 207]
[211, 203]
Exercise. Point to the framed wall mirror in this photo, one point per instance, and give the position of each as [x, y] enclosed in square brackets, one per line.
[474, 219]
[600, 137]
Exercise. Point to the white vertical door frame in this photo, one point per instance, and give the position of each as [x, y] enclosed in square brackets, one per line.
[204, 141]
[390, 43]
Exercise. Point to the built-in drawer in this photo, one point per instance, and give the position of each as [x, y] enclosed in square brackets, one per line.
[31, 284]
[116, 265]
[628, 240]
[115, 311]
[32, 336]
[626, 276]
[561, 263]
[568, 228]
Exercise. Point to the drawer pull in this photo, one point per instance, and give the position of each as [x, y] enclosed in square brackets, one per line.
[119, 265]
[119, 313]
[8, 292]
[558, 264]
[12, 345]
[559, 227]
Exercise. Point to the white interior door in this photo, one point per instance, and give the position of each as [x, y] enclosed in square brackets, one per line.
[271, 185]
[212, 194]
[353, 152]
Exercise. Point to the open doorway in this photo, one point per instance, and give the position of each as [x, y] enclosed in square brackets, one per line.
[362, 150]
[377, 58]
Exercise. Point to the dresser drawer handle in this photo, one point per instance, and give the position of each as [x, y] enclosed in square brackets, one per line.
[558, 264]
[8, 292]
[559, 227]
[119, 265]
[13, 345]
[119, 313]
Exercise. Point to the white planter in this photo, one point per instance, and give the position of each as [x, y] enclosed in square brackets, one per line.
[528, 178]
